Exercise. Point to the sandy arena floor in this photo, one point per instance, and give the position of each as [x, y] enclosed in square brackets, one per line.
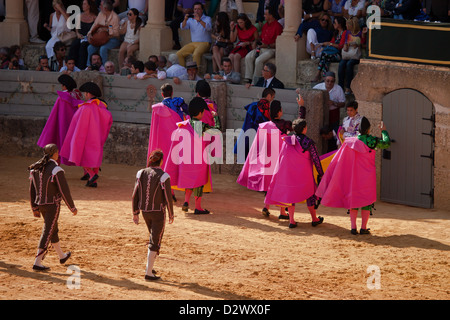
[234, 253]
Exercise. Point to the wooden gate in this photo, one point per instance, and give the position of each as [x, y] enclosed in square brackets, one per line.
[407, 166]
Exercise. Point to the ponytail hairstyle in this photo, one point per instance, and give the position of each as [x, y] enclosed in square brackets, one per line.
[138, 19]
[155, 158]
[49, 151]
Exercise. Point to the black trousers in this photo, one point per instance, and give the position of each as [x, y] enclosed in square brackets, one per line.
[50, 213]
[155, 221]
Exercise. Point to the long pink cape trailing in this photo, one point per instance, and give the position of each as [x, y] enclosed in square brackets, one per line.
[350, 180]
[164, 122]
[87, 134]
[257, 171]
[293, 178]
[58, 122]
[184, 163]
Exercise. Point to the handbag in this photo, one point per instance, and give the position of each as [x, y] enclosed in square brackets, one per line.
[67, 37]
[99, 38]
[352, 52]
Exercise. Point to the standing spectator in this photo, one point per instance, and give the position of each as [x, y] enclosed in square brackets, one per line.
[175, 70]
[108, 20]
[221, 39]
[131, 28]
[224, 6]
[200, 27]
[57, 26]
[70, 66]
[354, 38]
[318, 31]
[184, 7]
[78, 48]
[33, 20]
[255, 59]
[43, 64]
[268, 79]
[247, 35]
[57, 61]
[336, 101]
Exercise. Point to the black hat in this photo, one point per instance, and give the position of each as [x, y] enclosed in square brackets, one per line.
[196, 106]
[92, 88]
[67, 81]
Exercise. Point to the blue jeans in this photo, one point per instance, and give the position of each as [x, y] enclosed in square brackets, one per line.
[111, 44]
[345, 72]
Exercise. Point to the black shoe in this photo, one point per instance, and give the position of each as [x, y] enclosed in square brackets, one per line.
[316, 223]
[152, 278]
[92, 185]
[85, 177]
[196, 211]
[283, 217]
[174, 198]
[185, 207]
[40, 268]
[293, 225]
[92, 180]
[364, 231]
[265, 212]
[62, 261]
[353, 231]
[176, 46]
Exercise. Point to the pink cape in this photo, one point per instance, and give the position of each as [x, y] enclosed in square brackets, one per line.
[293, 178]
[350, 180]
[256, 175]
[207, 116]
[187, 169]
[87, 134]
[164, 122]
[58, 122]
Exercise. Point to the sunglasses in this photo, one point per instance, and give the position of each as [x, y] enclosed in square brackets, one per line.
[324, 20]
[130, 14]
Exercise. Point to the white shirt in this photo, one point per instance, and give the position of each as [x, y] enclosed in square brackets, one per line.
[353, 11]
[336, 93]
[176, 70]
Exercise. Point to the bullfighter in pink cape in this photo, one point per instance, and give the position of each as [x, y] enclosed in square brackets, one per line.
[350, 180]
[188, 169]
[87, 134]
[293, 178]
[58, 122]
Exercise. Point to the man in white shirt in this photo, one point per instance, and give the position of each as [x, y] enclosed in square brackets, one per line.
[174, 69]
[337, 98]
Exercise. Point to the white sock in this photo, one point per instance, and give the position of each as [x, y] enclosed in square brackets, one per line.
[58, 250]
[38, 260]
[151, 256]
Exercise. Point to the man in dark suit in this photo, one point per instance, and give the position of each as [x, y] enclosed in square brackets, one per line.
[268, 79]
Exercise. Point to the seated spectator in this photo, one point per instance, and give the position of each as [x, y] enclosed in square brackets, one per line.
[110, 68]
[57, 61]
[16, 51]
[153, 58]
[200, 27]
[407, 9]
[126, 69]
[221, 44]
[174, 69]
[96, 63]
[57, 26]
[151, 71]
[265, 50]
[437, 10]
[107, 20]
[268, 79]
[131, 28]
[224, 6]
[14, 63]
[276, 112]
[192, 73]
[247, 35]
[184, 7]
[354, 8]
[331, 51]
[351, 124]
[330, 137]
[70, 66]
[318, 31]
[227, 73]
[162, 63]
[313, 8]
[142, 10]
[4, 57]
[262, 6]
[336, 99]
[354, 37]
[336, 8]
[78, 47]
[43, 64]
[137, 67]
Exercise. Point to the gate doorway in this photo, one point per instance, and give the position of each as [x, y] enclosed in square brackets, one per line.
[407, 166]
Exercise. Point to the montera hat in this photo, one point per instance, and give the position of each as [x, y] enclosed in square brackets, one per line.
[67, 81]
[92, 88]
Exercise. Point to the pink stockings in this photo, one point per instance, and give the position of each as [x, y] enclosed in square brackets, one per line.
[364, 216]
[311, 209]
[198, 200]
[91, 171]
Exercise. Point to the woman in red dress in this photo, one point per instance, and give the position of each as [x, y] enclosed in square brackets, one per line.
[247, 34]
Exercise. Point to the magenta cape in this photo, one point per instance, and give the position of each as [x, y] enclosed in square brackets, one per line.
[350, 180]
[164, 122]
[207, 116]
[257, 171]
[293, 178]
[87, 134]
[58, 122]
[184, 163]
